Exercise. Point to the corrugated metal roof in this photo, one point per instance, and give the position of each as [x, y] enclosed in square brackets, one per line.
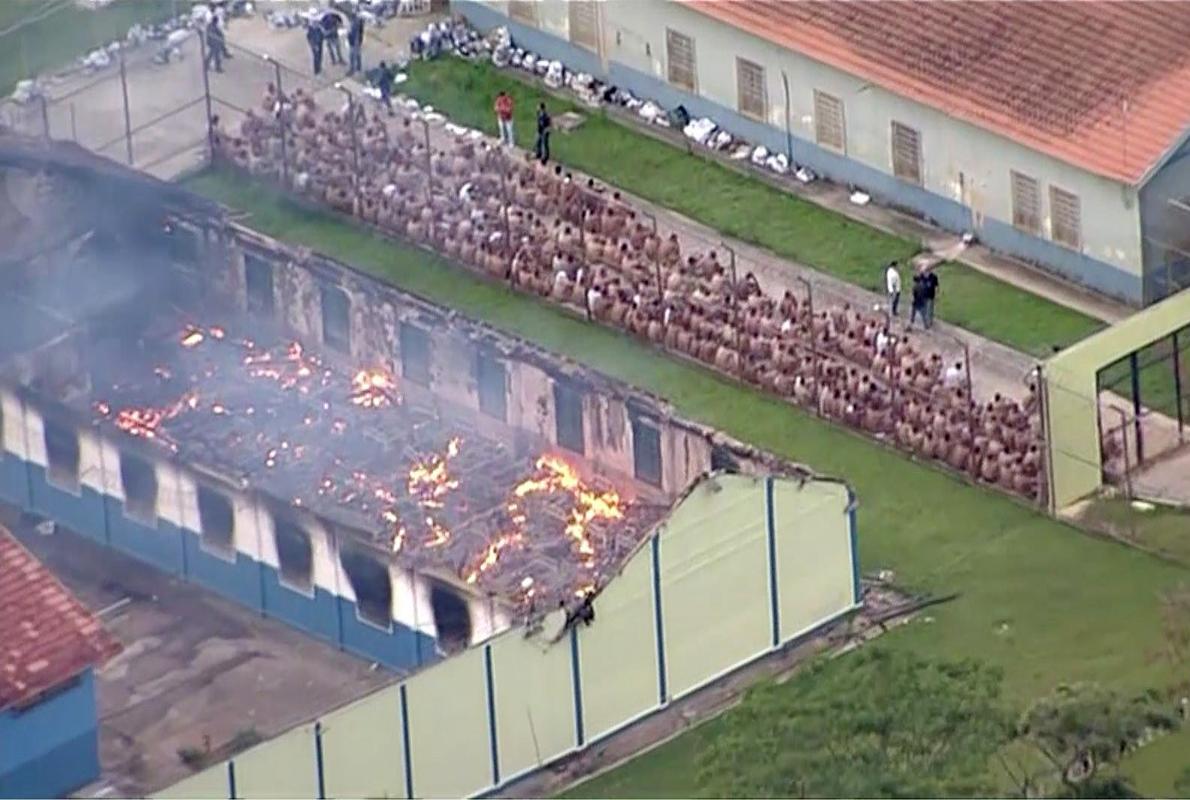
[46, 635]
[1104, 86]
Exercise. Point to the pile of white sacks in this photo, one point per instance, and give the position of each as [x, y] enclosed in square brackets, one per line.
[168, 36]
[458, 37]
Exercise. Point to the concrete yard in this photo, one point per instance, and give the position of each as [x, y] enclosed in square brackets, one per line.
[197, 671]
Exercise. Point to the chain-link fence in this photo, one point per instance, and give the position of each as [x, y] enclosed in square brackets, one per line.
[1144, 401]
[147, 108]
[158, 109]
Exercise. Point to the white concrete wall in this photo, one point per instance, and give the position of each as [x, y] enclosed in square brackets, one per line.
[1110, 221]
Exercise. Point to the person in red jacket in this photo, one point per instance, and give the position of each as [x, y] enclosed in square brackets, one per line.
[504, 118]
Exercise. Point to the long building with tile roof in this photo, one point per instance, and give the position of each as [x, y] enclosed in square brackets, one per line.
[1056, 131]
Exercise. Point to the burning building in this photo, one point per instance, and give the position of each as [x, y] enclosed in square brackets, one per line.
[361, 463]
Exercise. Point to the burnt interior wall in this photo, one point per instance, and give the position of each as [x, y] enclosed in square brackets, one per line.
[457, 367]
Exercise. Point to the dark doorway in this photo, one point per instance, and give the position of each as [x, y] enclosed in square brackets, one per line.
[491, 380]
[452, 619]
[139, 479]
[258, 281]
[568, 418]
[217, 520]
[415, 354]
[336, 319]
[372, 585]
[62, 454]
[646, 450]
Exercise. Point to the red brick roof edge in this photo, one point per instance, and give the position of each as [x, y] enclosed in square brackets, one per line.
[47, 636]
[1104, 86]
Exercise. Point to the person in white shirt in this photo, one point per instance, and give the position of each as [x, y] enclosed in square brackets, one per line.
[953, 377]
[892, 286]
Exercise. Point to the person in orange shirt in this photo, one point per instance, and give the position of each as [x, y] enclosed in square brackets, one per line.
[504, 118]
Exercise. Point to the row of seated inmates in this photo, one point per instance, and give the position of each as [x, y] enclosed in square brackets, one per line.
[582, 245]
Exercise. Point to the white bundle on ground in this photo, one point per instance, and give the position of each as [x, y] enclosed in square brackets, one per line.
[760, 155]
[555, 74]
[26, 91]
[778, 163]
[721, 140]
[283, 20]
[97, 60]
[700, 129]
[741, 152]
[860, 198]
[137, 34]
[650, 111]
[805, 175]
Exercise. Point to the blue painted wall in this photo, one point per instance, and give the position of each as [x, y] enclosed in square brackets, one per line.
[14, 480]
[179, 551]
[886, 189]
[52, 748]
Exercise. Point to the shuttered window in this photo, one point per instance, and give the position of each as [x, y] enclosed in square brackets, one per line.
[1026, 203]
[750, 88]
[524, 11]
[679, 58]
[829, 125]
[1067, 218]
[906, 153]
[584, 23]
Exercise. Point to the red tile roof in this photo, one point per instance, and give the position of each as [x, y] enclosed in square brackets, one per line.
[46, 635]
[1101, 85]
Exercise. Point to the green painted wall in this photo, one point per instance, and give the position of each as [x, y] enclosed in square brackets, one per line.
[712, 564]
[363, 750]
[1072, 408]
[714, 581]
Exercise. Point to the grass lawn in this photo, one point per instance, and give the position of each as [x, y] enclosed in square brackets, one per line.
[65, 32]
[1163, 530]
[745, 208]
[1041, 600]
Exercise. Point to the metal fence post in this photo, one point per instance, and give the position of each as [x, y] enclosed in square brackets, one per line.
[127, 109]
[1177, 383]
[45, 116]
[813, 341]
[970, 396]
[507, 225]
[1134, 368]
[354, 135]
[281, 121]
[206, 90]
[425, 126]
[74, 131]
[735, 308]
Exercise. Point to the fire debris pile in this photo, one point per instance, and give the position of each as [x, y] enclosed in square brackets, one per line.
[346, 447]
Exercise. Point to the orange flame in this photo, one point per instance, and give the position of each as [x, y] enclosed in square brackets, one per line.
[372, 388]
[492, 555]
[589, 505]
